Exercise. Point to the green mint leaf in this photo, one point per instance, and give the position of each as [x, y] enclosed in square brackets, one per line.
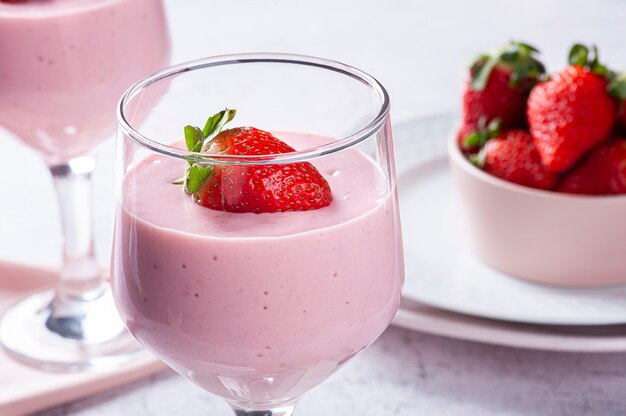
[193, 138]
[215, 123]
[196, 175]
[578, 55]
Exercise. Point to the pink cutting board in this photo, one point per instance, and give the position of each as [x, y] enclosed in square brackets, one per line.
[24, 390]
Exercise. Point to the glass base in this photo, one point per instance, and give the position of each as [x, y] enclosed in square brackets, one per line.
[276, 411]
[57, 333]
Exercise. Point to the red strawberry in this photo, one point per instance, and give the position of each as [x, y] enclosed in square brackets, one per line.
[498, 87]
[603, 172]
[512, 156]
[251, 188]
[571, 113]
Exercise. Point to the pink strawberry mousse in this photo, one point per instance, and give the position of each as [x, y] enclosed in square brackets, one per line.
[258, 307]
[66, 62]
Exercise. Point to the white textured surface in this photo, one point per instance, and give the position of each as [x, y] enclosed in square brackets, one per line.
[418, 50]
[406, 373]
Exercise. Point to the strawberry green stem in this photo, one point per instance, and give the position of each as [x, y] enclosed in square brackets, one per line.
[580, 55]
[197, 141]
[617, 87]
[214, 126]
[518, 57]
[483, 133]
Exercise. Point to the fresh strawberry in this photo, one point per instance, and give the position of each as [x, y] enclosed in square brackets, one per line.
[498, 87]
[572, 112]
[250, 188]
[512, 156]
[603, 172]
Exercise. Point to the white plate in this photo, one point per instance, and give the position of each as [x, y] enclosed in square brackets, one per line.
[589, 339]
[440, 269]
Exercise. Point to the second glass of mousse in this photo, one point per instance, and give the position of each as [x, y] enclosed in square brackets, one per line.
[256, 250]
[63, 66]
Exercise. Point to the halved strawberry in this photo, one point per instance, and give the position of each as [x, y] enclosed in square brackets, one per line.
[498, 87]
[512, 156]
[572, 112]
[603, 172]
[250, 188]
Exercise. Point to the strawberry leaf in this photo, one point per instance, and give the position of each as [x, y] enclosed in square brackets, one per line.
[199, 141]
[590, 59]
[578, 55]
[481, 76]
[193, 138]
[527, 48]
[484, 132]
[472, 140]
[214, 124]
[518, 58]
[617, 87]
[479, 158]
[493, 128]
[196, 175]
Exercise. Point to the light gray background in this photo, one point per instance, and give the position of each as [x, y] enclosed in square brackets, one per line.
[418, 50]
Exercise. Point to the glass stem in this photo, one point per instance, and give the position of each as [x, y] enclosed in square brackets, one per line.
[277, 411]
[80, 275]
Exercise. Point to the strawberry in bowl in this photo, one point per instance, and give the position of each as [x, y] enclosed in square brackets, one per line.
[544, 200]
[497, 89]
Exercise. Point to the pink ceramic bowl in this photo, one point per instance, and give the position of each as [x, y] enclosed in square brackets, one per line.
[538, 235]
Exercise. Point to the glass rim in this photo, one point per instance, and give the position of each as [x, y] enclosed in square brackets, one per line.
[372, 127]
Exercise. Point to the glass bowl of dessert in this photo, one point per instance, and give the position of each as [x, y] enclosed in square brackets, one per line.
[256, 250]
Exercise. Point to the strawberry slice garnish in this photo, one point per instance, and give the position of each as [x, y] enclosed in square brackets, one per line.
[498, 87]
[250, 188]
[603, 172]
[572, 112]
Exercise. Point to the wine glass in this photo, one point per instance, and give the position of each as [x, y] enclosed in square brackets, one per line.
[64, 65]
[257, 307]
